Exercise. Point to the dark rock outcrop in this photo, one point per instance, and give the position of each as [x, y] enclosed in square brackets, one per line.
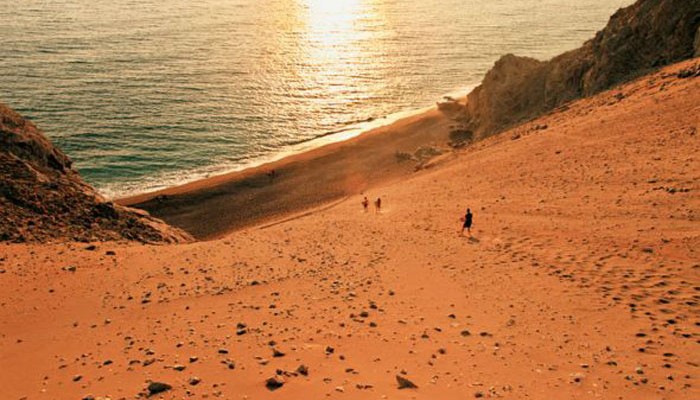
[646, 35]
[42, 198]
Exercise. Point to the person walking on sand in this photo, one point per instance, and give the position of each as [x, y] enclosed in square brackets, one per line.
[378, 204]
[365, 204]
[468, 218]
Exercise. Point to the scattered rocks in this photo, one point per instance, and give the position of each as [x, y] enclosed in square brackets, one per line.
[194, 381]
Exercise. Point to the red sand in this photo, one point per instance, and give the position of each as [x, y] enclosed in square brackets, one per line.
[581, 280]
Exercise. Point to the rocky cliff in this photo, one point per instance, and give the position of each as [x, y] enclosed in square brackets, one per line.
[42, 198]
[641, 37]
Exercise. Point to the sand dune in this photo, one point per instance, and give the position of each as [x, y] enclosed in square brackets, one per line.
[581, 280]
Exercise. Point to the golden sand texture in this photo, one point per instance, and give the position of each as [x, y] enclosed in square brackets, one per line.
[581, 280]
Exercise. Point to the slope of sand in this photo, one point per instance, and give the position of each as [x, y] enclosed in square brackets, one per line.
[581, 281]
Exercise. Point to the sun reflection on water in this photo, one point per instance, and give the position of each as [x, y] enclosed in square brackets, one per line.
[339, 43]
[144, 96]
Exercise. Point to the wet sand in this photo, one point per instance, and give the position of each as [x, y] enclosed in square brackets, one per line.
[212, 207]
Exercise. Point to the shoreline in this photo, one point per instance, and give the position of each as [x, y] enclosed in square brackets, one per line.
[288, 152]
[575, 283]
[214, 206]
[349, 132]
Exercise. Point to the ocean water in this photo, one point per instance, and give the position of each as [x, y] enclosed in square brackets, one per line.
[145, 94]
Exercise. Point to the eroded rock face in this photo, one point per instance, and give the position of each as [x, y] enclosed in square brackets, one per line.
[42, 198]
[646, 35]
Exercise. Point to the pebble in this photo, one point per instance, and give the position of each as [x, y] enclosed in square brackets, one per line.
[303, 370]
[274, 383]
[276, 353]
[577, 377]
[405, 383]
[158, 387]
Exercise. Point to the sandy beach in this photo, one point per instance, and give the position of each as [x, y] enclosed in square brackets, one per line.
[580, 280]
[212, 207]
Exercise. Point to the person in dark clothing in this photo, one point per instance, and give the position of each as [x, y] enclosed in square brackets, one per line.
[468, 219]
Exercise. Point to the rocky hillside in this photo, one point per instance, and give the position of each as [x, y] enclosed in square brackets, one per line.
[641, 37]
[42, 198]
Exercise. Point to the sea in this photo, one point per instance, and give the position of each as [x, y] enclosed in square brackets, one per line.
[147, 94]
